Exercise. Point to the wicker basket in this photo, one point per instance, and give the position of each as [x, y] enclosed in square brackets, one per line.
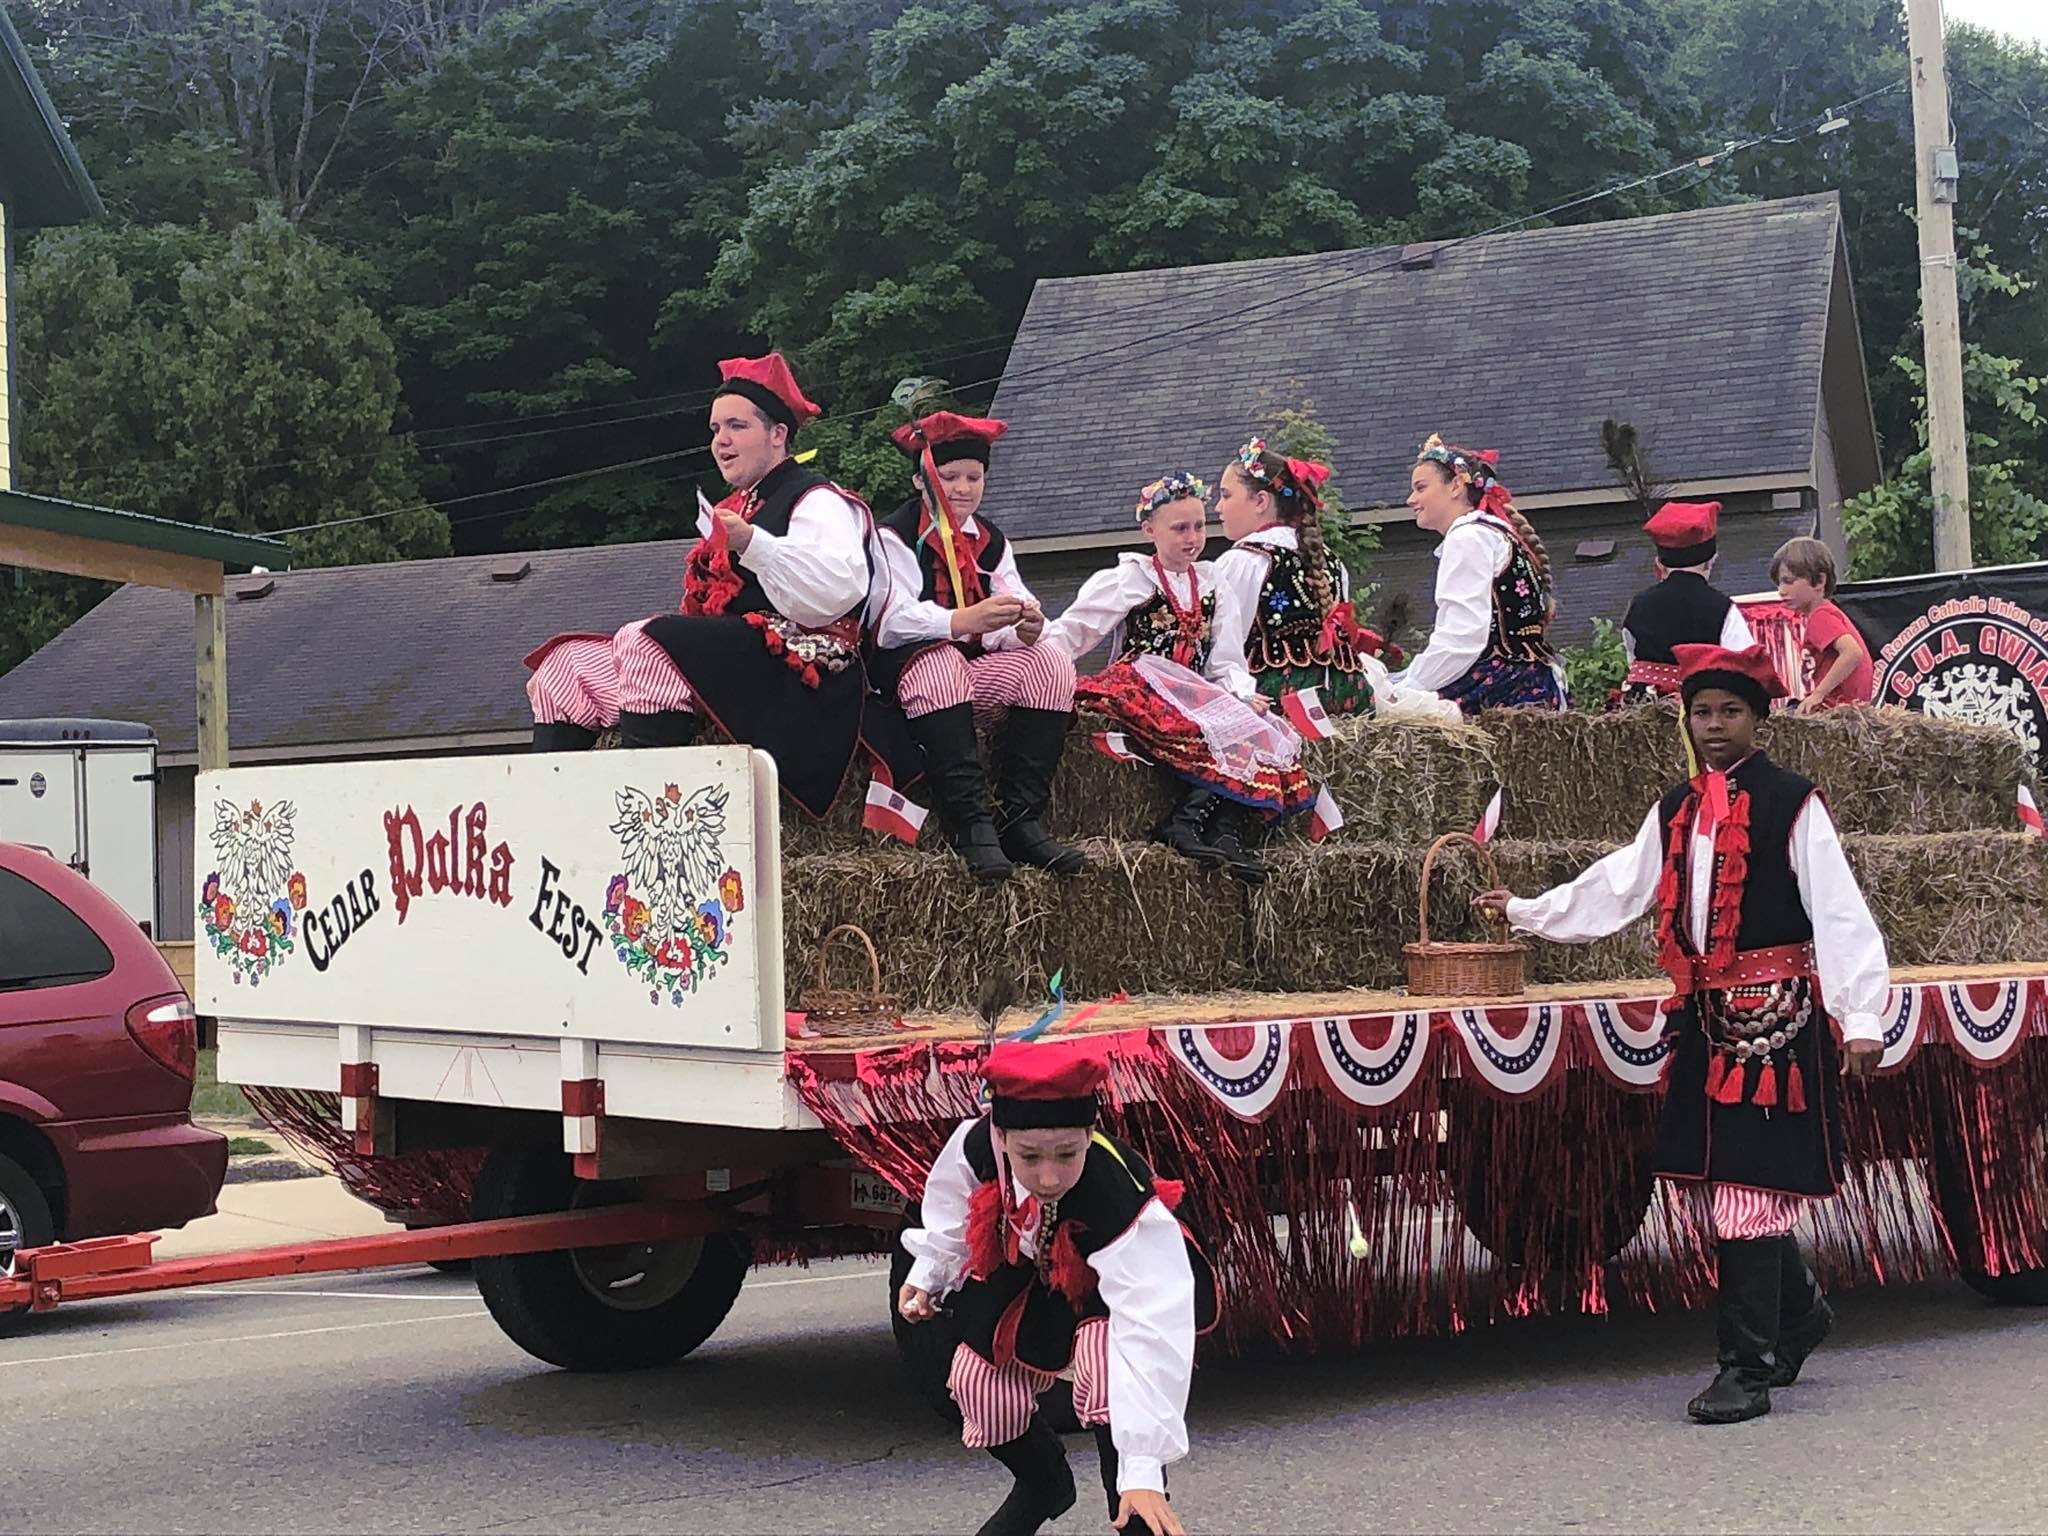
[845, 1010]
[1437, 969]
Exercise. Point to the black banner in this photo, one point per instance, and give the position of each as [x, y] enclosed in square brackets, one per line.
[1962, 646]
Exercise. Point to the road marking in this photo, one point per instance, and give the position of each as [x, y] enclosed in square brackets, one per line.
[859, 1274]
[241, 1338]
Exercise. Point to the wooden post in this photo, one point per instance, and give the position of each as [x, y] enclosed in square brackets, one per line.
[1940, 323]
[211, 624]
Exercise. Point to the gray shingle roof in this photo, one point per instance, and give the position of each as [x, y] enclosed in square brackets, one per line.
[362, 653]
[1706, 329]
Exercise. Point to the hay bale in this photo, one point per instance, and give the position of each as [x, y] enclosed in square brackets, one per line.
[1956, 898]
[1570, 775]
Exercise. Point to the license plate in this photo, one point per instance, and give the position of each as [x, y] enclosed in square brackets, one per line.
[872, 1194]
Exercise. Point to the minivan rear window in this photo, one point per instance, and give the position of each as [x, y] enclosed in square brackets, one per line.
[43, 943]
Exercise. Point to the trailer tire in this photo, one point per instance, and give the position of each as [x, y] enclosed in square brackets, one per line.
[25, 1222]
[1949, 1179]
[600, 1309]
[1512, 1207]
[926, 1350]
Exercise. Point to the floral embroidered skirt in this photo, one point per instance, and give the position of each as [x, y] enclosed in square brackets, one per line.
[1170, 738]
[1499, 683]
[1342, 692]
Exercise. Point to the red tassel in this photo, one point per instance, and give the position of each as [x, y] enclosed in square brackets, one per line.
[1170, 1192]
[1795, 1088]
[1717, 1072]
[1070, 1274]
[1766, 1095]
[1730, 1091]
[985, 1223]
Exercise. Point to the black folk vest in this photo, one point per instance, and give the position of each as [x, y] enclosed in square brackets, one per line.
[1679, 610]
[887, 666]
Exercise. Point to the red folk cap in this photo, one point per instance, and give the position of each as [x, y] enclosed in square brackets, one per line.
[1683, 532]
[1038, 1084]
[950, 436]
[1748, 674]
[768, 382]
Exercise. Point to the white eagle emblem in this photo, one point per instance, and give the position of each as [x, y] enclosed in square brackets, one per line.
[255, 848]
[671, 847]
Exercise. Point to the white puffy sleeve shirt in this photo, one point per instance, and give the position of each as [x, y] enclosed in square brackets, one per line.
[1241, 573]
[1472, 554]
[1848, 950]
[817, 572]
[1145, 1281]
[1105, 600]
[908, 619]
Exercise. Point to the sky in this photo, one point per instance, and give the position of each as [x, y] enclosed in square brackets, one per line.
[2026, 19]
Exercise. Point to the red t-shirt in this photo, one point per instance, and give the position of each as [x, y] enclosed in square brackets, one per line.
[1824, 626]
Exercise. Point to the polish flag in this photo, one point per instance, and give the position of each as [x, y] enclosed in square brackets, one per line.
[888, 811]
[2030, 813]
[1489, 821]
[1304, 710]
[1324, 818]
[1115, 744]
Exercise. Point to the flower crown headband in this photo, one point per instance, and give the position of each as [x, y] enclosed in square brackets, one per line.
[1464, 465]
[1170, 488]
[1308, 476]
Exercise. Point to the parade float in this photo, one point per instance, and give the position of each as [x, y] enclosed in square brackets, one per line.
[495, 990]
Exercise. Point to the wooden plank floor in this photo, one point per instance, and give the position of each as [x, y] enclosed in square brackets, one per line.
[1157, 1012]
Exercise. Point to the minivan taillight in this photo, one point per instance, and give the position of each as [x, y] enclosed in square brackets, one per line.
[168, 1029]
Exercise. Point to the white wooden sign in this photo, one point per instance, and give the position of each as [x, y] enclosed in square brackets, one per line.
[627, 896]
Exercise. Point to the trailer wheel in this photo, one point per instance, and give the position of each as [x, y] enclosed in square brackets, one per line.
[926, 1350]
[1514, 1207]
[2023, 1156]
[598, 1309]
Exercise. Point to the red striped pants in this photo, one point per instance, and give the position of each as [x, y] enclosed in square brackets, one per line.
[1743, 1213]
[589, 682]
[997, 1401]
[1024, 677]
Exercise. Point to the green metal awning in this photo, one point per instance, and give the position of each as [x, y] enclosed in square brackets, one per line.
[42, 180]
[107, 525]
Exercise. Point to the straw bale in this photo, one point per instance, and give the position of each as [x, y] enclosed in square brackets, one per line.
[1573, 775]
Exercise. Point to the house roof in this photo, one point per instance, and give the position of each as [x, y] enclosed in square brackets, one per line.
[363, 657]
[110, 525]
[1708, 330]
[42, 180]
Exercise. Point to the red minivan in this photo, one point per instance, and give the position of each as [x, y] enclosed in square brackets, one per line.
[97, 1049]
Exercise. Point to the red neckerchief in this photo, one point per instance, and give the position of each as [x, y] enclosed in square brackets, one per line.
[1719, 809]
[1187, 622]
[709, 581]
[967, 549]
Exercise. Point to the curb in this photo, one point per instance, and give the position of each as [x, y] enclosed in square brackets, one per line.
[267, 1170]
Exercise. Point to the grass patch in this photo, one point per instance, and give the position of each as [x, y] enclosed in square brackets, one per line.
[213, 1099]
[248, 1146]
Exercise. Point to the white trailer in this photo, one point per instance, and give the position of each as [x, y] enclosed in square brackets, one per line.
[85, 792]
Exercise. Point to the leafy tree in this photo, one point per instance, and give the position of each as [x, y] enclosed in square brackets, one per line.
[1890, 529]
[238, 382]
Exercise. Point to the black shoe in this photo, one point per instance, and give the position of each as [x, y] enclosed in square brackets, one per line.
[668, 728]
[1028, 756]
[952, 766]
[563, 736]
[1746, 1322]
[1105, 1455]
[1045, 1483]
[1805, 1318]
[1236, 834]
[1186, 831]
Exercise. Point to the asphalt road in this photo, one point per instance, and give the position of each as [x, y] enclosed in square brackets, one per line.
[392, 1404]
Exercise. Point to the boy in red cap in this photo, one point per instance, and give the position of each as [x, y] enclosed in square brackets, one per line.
[1767, 939]
[1688, 611]
[959, 634]
[1058, 1248]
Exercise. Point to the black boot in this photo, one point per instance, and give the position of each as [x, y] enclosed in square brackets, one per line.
[1029, 754]
[1746, 1321]
[1805, 1318]
[1045, 1483]
[1186, 831]
[1105, 1455]
[1234, 834]
[952, 766]
[669, 728]
[563, 736]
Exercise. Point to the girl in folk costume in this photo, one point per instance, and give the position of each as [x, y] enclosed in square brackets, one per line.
[1490, 648]
[1766, 938]
[960, 635]
[1058, 1248]
[1158, 611]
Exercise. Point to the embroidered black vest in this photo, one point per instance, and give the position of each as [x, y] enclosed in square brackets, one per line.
[1521, 607]
[904, 522]
[1152, 629]
[1679, 610]
[1287, 628]
[1772, 913]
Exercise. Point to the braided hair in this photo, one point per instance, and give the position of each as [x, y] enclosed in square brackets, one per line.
[1475, 475]
[1296, 488]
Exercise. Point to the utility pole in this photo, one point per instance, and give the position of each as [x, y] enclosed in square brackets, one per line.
[1934, 185]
